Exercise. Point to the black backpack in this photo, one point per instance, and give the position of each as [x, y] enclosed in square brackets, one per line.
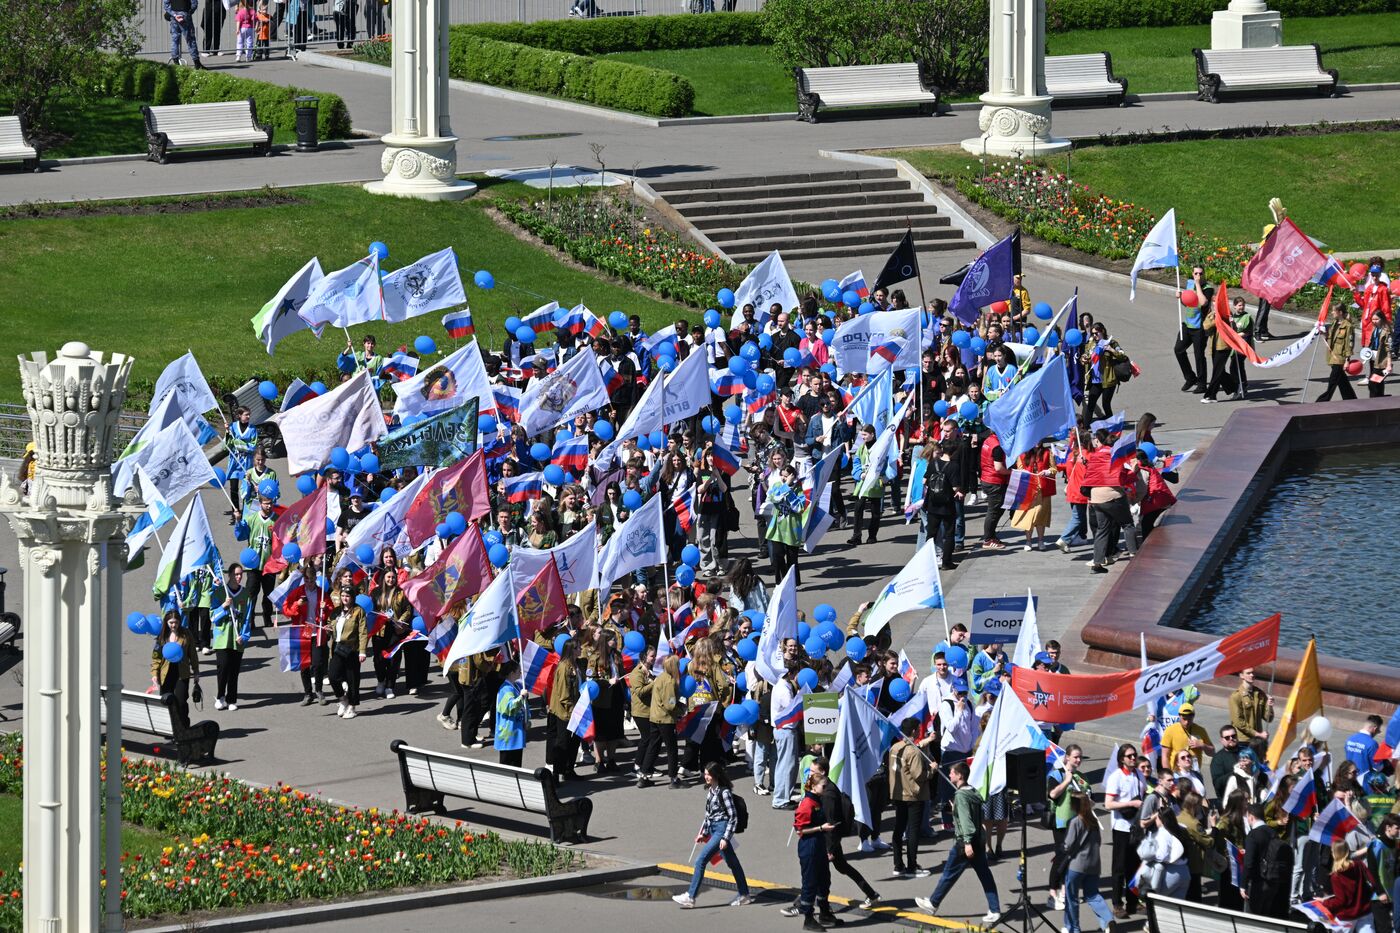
[1277, 864]
[741, 812]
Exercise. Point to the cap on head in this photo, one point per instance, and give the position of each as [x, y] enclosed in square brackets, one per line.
[1187, 709]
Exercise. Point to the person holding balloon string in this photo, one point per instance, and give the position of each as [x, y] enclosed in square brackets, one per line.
[253, 478]
[231, 635]
[175, 668]
[240, 441]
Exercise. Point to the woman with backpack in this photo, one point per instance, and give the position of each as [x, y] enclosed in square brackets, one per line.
[942, 490]
[725, 815]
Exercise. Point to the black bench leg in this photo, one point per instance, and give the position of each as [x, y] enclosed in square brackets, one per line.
[417, 800]
[571, 823]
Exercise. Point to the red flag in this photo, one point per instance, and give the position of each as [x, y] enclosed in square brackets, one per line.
[460, 488]
[304, 523]
[460, 571]
[1227, 331]
[541, 603]
[1286, 261]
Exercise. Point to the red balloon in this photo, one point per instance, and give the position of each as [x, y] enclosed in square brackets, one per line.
[1001, 307]
[1353, 367]
[1395, 286]
[1190, 299]
[1357, 271]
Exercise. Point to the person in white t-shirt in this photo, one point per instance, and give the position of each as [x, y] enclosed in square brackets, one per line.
[1123, 793]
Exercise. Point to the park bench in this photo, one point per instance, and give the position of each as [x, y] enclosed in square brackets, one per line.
[430, 776]
[186, 126]
[1171, 915]
[147, 714]
[1289, 66]
[1080, 77]
[863, 86]
[14, 145]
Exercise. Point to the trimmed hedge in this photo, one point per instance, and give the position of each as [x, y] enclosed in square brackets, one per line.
[1064, 15]
[158, 83]
[628, 33]
[605, 83]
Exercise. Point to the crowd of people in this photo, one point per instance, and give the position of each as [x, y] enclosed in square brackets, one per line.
[258, 22]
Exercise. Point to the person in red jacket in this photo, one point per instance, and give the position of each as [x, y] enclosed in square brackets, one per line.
[1352, 889]
[1077, 530]
[1159, 496]
[1108, 486]
[992, 475]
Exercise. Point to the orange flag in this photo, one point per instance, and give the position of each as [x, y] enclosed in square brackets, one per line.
[1227, 331]
[1304, 700]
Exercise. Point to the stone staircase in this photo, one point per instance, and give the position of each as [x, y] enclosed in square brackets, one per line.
[810, 215]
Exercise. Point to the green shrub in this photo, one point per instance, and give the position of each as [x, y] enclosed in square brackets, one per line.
[562, 74]
[627, 33]
[1063, 15]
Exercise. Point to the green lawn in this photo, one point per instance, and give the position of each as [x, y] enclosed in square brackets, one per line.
[102, 126]
[155, 285]
[1336, 187]
[728, 79]
[1363, 49]
[135, 839]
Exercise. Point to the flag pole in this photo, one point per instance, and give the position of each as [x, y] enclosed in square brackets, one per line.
[923, 309]
[1180, 324]
[1312, 358]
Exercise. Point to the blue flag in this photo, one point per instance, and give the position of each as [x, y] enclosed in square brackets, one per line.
[988, 279]
[1033, 409]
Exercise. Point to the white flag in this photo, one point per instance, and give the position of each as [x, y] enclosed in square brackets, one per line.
[687, 389]
[572, 389]
[1010, 727]
[856, 754]
[1028, 640]
[917, 586]
[184, 379]
[447, 384]
[767, 284]
[820, 518]
[347, 416]
[884, 448]
[1158, 251]
[491, 622]
[382, 527]
[157, 514]
[576, 560]
[191, 547]
[278, 318]
[347, 296]
[173, 460]
[637, 543]
[430, 284]
[779, 624]
[857, 337]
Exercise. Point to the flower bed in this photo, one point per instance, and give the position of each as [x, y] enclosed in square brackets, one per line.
[609, 232]
[236, 845]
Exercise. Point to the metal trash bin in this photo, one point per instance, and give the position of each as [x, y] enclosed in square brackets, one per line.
[307, 108]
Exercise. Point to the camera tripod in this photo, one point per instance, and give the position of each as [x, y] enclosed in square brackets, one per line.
[1028, 909]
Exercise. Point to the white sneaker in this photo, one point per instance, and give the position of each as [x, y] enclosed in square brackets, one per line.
[1058, 900]
[350, 713]
[340, 710]
[880, 844]
[220, 704]
[991, 916]
[685, 900]
[741, 900]
[446, 722]
[925, 905]
[232, 707]
[388, 694]
[867, 846]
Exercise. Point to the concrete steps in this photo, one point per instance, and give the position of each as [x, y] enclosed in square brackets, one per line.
[810, 215]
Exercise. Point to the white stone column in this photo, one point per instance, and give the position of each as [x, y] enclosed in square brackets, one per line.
[1015, 117]
[1246, 24]
[71, 538]
[420, 154]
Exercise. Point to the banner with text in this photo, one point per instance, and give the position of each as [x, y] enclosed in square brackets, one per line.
[820, 712]
[1073, 698]
[997, 621]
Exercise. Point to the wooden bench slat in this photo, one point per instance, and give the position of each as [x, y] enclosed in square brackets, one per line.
[184, 126]
[1261, 69]
[1089, 75]
[861, 85]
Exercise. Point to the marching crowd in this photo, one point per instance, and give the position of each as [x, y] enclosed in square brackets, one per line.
[672, 649]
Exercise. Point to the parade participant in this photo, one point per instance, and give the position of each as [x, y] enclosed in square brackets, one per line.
[1192, 337]
[241, 441]
[1102, 359]
[784, 533]
[198, 601]
[1076, 462]
[1159, 496]
[1035, 517]
[662, 711]
[1185, 736]
[1353, 887]
[350, 640]
[1340, 331]
[1163, 854]
[605, 669]
[1362, 747]
[910, 772]
[993, 477]
[1224, 759]
[1268, 863]
[811, 825]
[512, 715]
[987, 665]
[717, 836]
[1124, 791]
[1245, 780]
[396, 614]
[1250, 708]
[639, 687]
[1080, 857]
[177, 681]
[869, 491]
[785, 737]
[1065, 787]
[711, 500]
[1186, 770]
[1108, 501]
[259, 537]
[969, 848]
[231, 635]
[562, 748]
[943, 492]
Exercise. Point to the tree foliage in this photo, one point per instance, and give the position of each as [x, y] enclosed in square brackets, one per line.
[52, 47]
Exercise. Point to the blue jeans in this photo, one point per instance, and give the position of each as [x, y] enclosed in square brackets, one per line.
[1081, 886]
[763, 759]
[816, 872]
[953, 869]
[785, 771]
[731, 859]
[183, 30]
[1077, 526]
[960, 527]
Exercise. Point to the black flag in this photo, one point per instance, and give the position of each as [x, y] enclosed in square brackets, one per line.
[955, 278]
[901, 266]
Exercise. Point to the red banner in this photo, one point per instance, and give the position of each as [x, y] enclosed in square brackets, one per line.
[1073, 698]
[1286, 261]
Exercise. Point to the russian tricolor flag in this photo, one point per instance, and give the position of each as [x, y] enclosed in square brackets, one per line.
[725, 460]
[1174, 462]
[297, 393]
[1123, 449]
[1112, 425]
[700, 628]
[855, 282]
[1321, 914]
[294, 648]
[790, 716]
[1302, 799]
[1332, 273]
[725, 384]
[754, 403]
[581, 719]
[441, 637]
[1019, 490]
[906, 669]
[459, 324]
[289, 589]
[537, 668]
[524, 487]
[400, 366]
[1332, 823]
[507, 403]
[611, 377]
[541, 320]
[571, 453]
[889, 350]
[682, 616]
[1235, 855]
[692, 725]
[684, 507]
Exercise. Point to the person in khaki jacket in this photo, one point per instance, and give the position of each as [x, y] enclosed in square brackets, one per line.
[639, 686]
[172, 678]
[349, 643]
[910, 774]
[562, 745]
[665, 708]
[479, 680]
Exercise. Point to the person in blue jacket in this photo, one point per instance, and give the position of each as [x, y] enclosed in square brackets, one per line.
[1362, 747]
[512, 716]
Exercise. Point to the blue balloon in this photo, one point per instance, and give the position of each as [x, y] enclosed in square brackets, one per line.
[498, 555]
[1044, 311]
[486, 424]
[525, 333]
[725, 297]
[632, 500]
[746, 649]
[741, 684]
[738, 365]
[712, 318]
[152, 624]
[807, 678]
[687, 685]
[340, 458]
[690, 554]
[792, 356]
[1030, 334]
[899, 690]
[685, 662]
[220, 477]
[1074, 337]
[492, 537]
[267, 389]
[1150, 449]
[354, 466]
[825, 612]
[369, 463]
[456, 523]
[829, 369]
[961, 339]
[733, 414]
[379, 250]
[830, 633]
[306, 484]
[387, 493]
[419, 625]
[643, 443]
[708, 424]
[735, 714]
[425, 344]
[829, 336]
[318, 387]
[804, 631]
[828, 284]
[291, 552]
[752, 708]
[850, 299]
[833, 293]
[756, 624]
[657, 438]
[855, 648]
[956, 656]
[512, 324]
[617, 321]
[249, 558]
[1052, 338]
[750, 379]
[540, 452]
[136, 623]
[560, 641]
[443, 530]
[968, 411]
[364, 554]
[666, 363]
[554, 475]
[634, 642]
[484, 279]
[765, 342]
[685, 575]
[172, 652]
[977, 345]
[766, 384]
[866, 307]
[940, 408]
[604, 431]
[750, 351]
